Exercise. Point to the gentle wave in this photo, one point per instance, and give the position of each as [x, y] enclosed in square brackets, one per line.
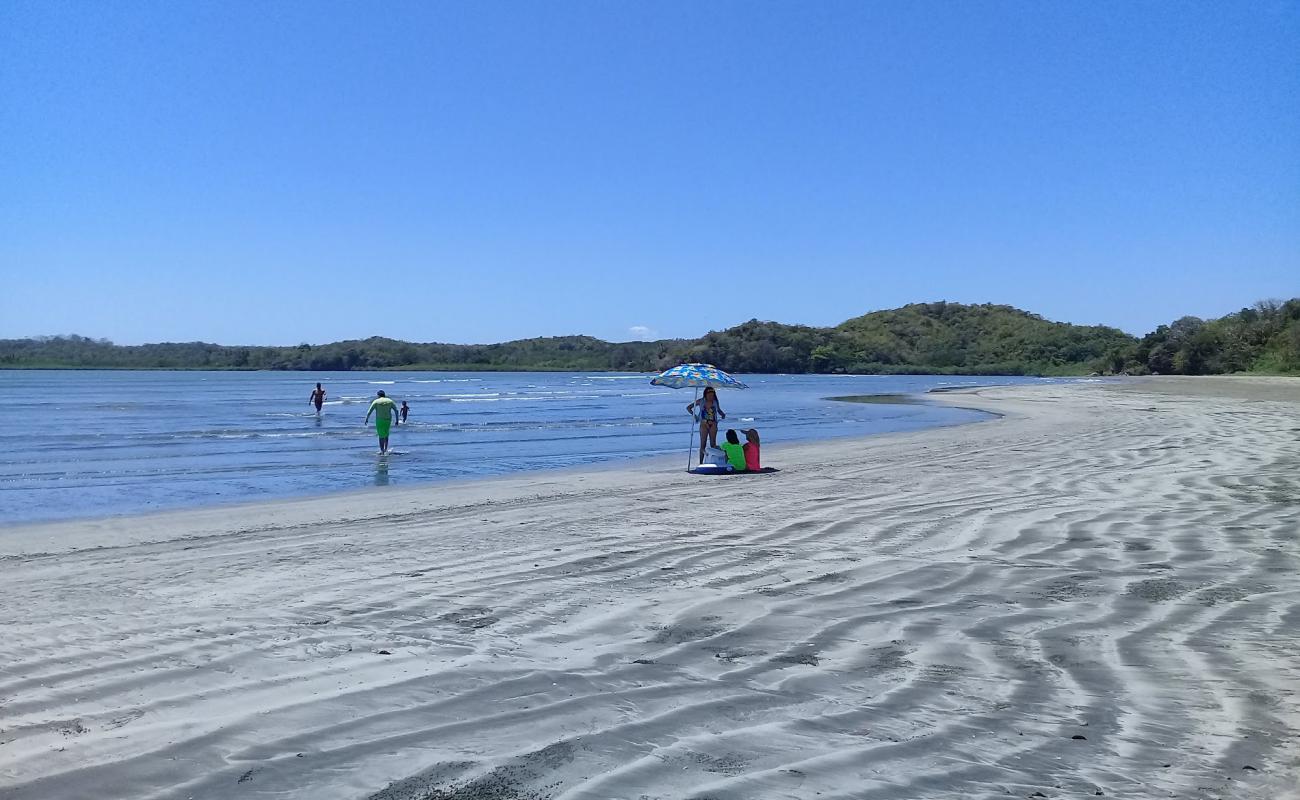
[124, 442]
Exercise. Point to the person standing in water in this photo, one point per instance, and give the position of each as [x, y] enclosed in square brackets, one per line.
[385, 410]
[317, 398]
[405, 410]
[709, 412]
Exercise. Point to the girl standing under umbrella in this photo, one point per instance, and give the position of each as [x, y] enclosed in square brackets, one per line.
[710, 412]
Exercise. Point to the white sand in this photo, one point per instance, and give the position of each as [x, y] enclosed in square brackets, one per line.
[926, 615]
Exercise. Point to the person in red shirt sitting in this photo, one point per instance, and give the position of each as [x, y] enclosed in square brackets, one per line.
[751, 451]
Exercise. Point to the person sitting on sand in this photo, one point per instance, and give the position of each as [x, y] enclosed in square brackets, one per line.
[735, 453]
[405, 410]
[710, 413]
[751, 451]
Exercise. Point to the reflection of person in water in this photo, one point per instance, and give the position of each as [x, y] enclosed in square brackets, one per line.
[317, 398]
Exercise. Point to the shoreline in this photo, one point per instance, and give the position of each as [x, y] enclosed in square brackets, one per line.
[652, 464]
[1096, 592]
[21, 539]
[411, 496]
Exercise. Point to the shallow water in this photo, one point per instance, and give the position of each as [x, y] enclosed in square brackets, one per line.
[89, 443]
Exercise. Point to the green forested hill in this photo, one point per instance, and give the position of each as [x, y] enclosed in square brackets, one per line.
[919, 338]
[983, 338]
[922, 338]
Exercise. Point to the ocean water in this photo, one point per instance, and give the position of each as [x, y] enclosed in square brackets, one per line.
[94, 443]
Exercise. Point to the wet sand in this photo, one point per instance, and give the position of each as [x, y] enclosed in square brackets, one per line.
[1096, 592]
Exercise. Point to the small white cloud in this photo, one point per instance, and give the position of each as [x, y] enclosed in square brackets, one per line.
[641, 333]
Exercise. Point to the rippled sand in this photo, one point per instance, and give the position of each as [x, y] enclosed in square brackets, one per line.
[1098, 593]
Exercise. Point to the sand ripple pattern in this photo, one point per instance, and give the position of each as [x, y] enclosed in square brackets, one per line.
[1098, 595]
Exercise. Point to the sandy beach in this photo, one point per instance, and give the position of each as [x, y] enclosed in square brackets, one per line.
[1096, 594]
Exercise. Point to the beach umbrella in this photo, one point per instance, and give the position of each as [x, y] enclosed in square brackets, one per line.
[696, 376]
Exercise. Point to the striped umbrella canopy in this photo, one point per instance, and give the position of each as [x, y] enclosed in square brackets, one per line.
[685, 376]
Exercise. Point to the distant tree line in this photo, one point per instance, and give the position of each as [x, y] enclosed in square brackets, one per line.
[553, 353]
[1262, 338]
[929, 338]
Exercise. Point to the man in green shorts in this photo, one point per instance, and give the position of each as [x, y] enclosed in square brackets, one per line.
[384, 410]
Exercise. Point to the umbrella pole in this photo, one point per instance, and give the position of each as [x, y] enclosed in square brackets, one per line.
[691, 448]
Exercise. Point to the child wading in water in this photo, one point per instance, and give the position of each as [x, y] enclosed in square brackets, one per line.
[710, 413]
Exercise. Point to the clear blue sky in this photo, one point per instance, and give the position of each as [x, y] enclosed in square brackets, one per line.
[281, 172]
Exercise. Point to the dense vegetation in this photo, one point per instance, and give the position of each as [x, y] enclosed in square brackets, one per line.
[1263, 338]
[918, 338]
[926, 338]
[557, 353]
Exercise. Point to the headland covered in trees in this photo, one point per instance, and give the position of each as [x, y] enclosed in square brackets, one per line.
[921, 338]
